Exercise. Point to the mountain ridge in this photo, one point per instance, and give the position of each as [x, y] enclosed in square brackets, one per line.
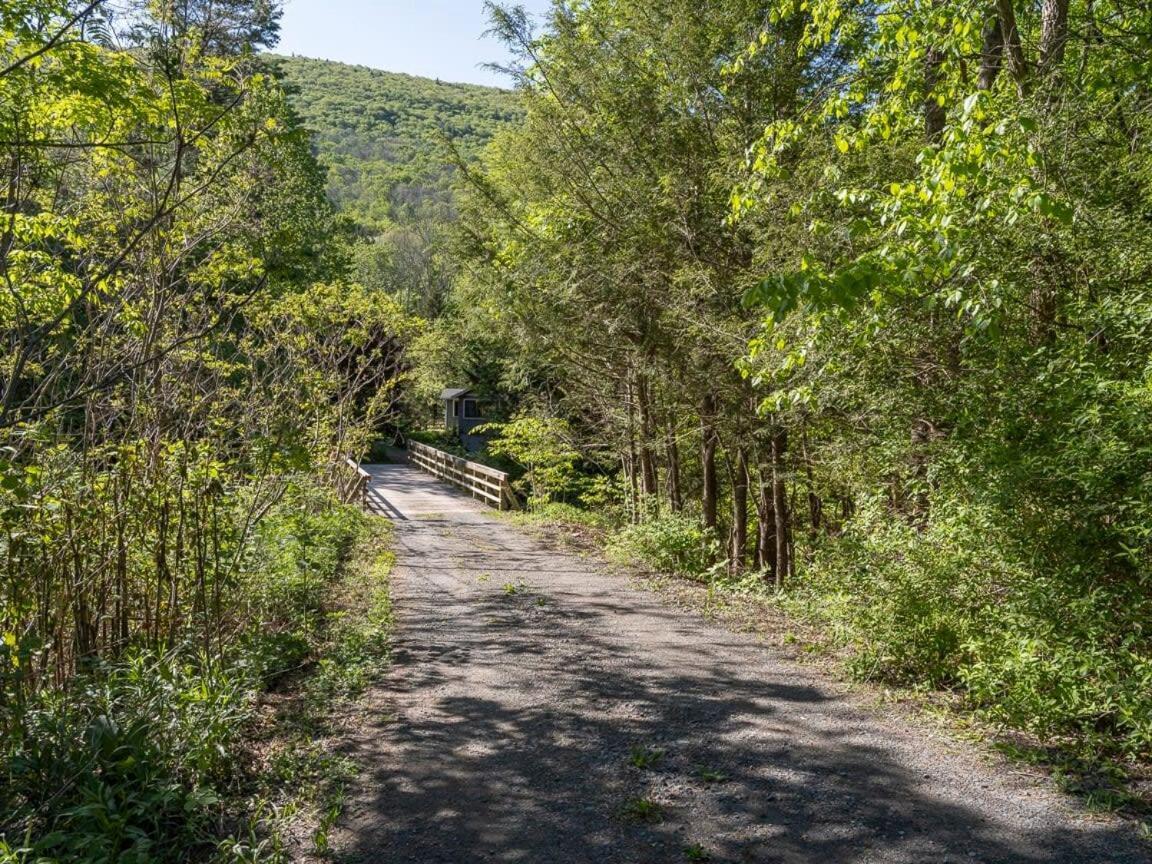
[386, 137]
[276, 55]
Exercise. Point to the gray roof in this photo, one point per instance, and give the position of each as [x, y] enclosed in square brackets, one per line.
[455, 392]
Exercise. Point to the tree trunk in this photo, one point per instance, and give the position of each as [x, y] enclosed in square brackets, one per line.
[1014, 51]
[935, 115]
[1053, 35]
[672, 451]
[634, 509]
[923, 433]
[991, 53]
[766, 524]
[815, 502]
[780, 505]
[738, 545]
[708, 461]
[649, 479]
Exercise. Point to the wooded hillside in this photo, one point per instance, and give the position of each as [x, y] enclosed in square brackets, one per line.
[388, 139]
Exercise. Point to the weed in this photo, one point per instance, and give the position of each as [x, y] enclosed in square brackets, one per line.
[667, 544]
[642, 810]
[696, 852]
[646, 757]
[710, 776]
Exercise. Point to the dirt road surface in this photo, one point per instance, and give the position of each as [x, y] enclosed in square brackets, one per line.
[529, 681]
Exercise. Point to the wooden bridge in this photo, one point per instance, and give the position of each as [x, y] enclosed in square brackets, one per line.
[480, 481]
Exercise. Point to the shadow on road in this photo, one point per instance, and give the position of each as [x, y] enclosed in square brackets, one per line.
[525, 680]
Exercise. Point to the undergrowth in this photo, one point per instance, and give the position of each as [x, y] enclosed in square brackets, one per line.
[1056, 667]
[150, 757]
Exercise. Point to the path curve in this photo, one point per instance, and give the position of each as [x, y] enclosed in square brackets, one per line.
[527, 676]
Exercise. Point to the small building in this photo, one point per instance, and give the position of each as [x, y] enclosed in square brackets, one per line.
[463, 412]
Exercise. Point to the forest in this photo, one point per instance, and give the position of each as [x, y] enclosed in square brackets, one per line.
[390, 144]
[845, 304]
[838, 305]
[388, 140]
[186, 362]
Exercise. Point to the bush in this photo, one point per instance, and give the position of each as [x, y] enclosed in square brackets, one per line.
[127, 765]
[670, 543]
[1068, 665]
[138, 758]
[906, 601]
[1058, 655]
[542, 447]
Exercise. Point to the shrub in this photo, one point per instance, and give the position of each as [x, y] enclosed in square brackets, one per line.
[127, 765]
[136, 758]
[1060, 655]
[542, 446]
[906, 601]
[671, 543]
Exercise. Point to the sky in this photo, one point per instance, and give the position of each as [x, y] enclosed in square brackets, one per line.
[434, 38]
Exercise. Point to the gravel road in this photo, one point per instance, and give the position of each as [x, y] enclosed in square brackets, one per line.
[528, 682]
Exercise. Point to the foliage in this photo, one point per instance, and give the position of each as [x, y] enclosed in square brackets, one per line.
[540, 445]
[389, 139]
[971, 284]
[185, 368]
[139, 759]
[667, 544]
[642, 810]
[391, 143]
[869, 284]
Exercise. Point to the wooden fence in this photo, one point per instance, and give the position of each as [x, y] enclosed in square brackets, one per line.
[352, 482]
[488, 484]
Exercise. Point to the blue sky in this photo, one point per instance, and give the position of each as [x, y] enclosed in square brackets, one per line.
[435, 38]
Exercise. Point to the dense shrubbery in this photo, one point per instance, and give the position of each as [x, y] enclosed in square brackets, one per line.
[1044, 653]
[671, 543]
[139, 758]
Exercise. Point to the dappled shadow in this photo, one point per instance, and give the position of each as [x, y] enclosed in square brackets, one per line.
[525, 680]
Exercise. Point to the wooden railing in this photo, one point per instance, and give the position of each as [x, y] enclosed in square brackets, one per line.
[353, 483]
[487, 484]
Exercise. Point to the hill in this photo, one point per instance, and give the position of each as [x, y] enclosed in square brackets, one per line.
[384, 135]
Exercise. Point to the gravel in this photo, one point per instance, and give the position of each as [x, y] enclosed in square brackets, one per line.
[529, 681]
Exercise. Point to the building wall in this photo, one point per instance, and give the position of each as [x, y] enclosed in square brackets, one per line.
[460, 425]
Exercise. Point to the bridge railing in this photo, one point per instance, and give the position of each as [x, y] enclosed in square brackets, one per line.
[487, 484]
[352, 482]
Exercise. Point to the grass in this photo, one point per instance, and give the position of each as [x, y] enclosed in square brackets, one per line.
[645, 758]
[301, 775]
[643, 810]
